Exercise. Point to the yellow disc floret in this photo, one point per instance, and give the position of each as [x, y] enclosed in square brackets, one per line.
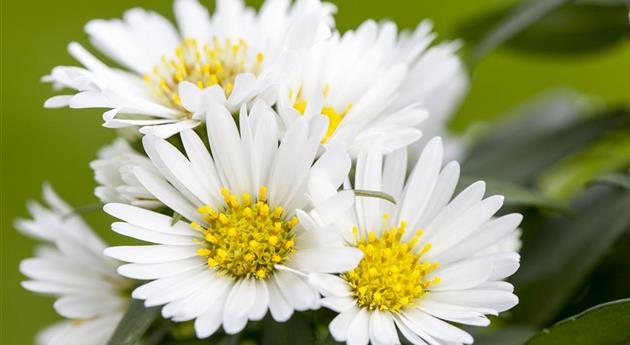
[392, 274]
[203, 65]
[246, 238]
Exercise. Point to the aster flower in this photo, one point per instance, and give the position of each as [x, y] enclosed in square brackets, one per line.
[376, 86]
[234, 56]
[428, 262]
[117, 183]
[252, 228]
[72, 267]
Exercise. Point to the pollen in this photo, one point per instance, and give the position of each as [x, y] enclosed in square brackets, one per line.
[205, 65]
[392, 274]
[245, 238]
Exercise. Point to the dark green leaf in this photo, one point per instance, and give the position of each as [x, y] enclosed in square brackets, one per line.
[134, 324]
[605, 324]
[176, 218]
[609, 280]
[520, 150]
[516, 195]
[619, 180]
[557, 262]
[374, 194]
[296, 330]
[512, 335]
[518, 19]
[550, 26]
[230, 339]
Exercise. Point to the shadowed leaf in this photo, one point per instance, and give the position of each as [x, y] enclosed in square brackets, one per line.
[605, 324]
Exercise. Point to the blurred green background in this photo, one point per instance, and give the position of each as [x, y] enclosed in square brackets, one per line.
[56, 144]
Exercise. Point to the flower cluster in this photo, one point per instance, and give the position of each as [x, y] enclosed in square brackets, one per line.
[260, 142]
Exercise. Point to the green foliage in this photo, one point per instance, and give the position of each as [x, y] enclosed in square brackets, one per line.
[609, 154]
[134, 324]
[619, 180]
[605, 324]
[511, 335]
[522, 150]
[287, 333]
[558, 260]
[549, 26]
[506, 24]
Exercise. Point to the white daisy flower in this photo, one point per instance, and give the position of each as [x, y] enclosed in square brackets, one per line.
[117, 183]
[72, 267]
[249, 237]
[376, 85]
[426, 261]
[234, 55]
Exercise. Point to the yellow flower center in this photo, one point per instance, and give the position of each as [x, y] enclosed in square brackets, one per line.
[392, 274]
[203, 65]
[247, 238]
[334, 117]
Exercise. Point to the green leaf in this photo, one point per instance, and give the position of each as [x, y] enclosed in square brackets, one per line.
[516, 195]
[605, 324]
[374, 194]
[566, 27]
[571, 174]
[518, 19]
[543, 134]
[512, 335]
[134, 324]
[176, 218]
[619, 180]
[295, 331]
[566, 250]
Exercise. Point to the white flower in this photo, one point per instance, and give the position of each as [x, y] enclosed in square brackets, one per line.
[71, 266]
[234, 54]
[426, 260]
[376, 86]
[116, 181]
[249, 237]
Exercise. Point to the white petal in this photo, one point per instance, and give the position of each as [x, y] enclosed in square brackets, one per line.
[295, 291]
[151, 236]
[339, 303]
[160, 270]
[358, 331]
[340, 325]
[326, 259]
[492, 299]
[463, 275]
[421, 183]
[150, 254]
[210, 321]
[280, 309]
[86, 307]
[148, 219]
[261, 303]
[382, 328]
[329, 284]
[193, 20]
[240, 300]
[438, 328]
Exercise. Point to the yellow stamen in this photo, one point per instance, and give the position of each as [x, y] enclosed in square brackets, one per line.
[392, 275]
[246, 238]
[203, 66]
